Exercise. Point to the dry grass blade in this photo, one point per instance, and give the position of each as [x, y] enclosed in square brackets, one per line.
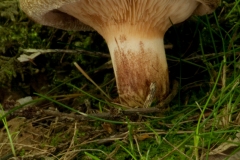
[90, 79]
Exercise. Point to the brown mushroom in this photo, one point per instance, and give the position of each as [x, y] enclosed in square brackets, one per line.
[133, 30]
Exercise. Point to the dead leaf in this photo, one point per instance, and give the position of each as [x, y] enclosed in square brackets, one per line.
[142, 137]
[26, 58]
[226, 145]
[107, 127]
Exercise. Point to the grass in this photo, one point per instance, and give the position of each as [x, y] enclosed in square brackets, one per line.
[9, 134]
[202, 119]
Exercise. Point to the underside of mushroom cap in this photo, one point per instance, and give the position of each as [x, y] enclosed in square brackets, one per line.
[206, 6]
[155, 16]
[46, 13]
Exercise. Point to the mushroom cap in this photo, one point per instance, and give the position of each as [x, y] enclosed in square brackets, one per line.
[206, 6]
[47, 12]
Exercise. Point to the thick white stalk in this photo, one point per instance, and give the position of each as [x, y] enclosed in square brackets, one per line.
[138, 62]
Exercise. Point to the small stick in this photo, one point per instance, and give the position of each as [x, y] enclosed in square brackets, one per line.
[78, 51]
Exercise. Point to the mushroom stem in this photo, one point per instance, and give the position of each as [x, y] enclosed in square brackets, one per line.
[138, 60]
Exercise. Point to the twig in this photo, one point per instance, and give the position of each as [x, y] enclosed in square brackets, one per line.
[140, 133]
[78, 51]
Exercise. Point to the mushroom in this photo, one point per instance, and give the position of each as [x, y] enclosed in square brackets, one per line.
[134, 32]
